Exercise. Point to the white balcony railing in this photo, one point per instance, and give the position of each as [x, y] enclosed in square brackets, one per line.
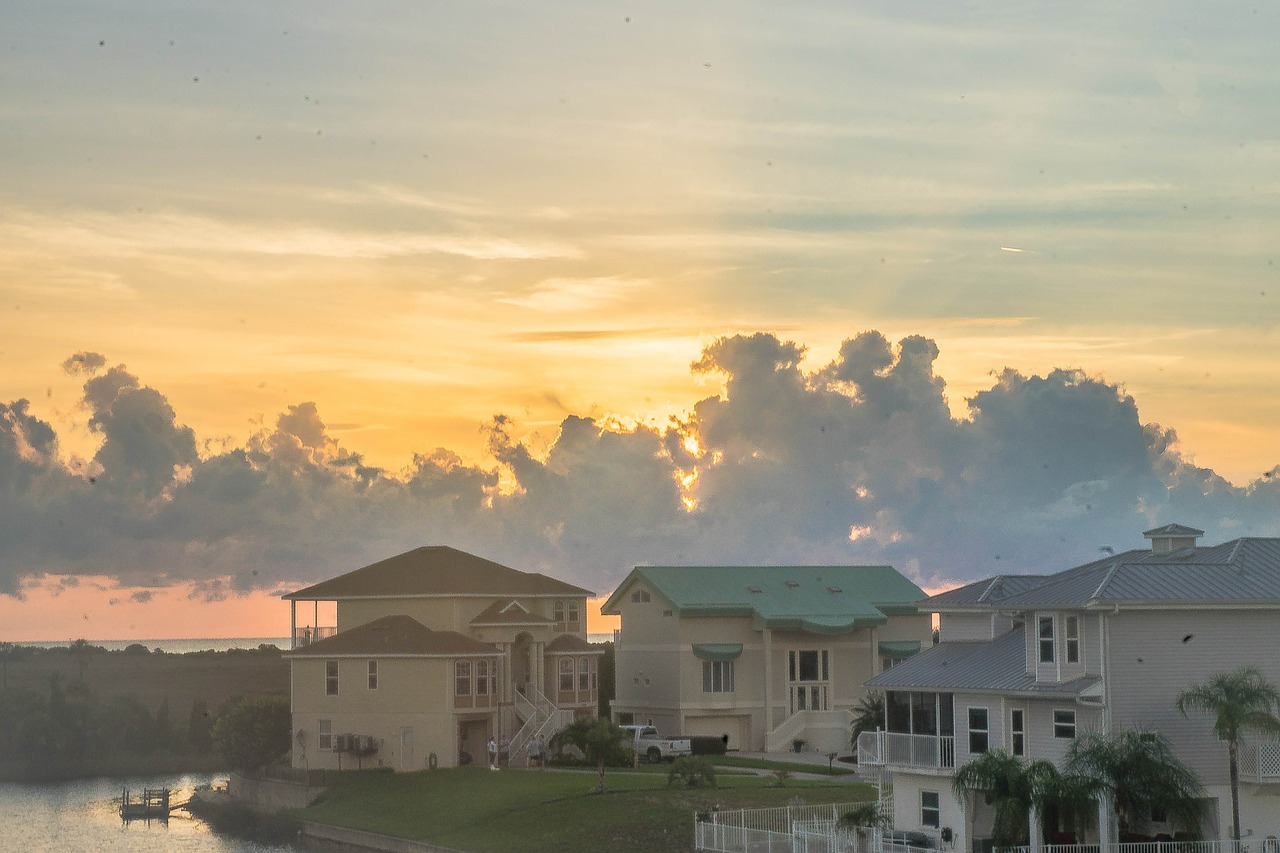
[308, 634]
[895, 749]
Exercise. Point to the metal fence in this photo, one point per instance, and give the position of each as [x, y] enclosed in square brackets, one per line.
[769, 830]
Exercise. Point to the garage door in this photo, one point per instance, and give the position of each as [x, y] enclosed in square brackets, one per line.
[737, 728]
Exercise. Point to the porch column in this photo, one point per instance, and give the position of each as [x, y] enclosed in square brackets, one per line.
[1107, 832]
[508, 693]
[768, 684]
[536, 666]
[1037, 832]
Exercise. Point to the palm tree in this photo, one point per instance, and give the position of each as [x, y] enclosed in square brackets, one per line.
[1002, 780]
[1013, 788]
[868, 716]
[1140, 773]
[596, 738]
[1240, 701]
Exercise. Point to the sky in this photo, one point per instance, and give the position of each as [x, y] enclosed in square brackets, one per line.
[289, 288]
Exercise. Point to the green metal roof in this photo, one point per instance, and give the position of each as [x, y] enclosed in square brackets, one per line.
[899, 649]
[717, 651]
[818, 599]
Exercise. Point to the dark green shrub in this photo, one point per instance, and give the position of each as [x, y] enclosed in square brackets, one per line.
[694, 770]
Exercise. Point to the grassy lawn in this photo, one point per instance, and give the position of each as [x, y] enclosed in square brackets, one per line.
[480, 811]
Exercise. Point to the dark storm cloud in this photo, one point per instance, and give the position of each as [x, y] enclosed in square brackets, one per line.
[858, 460]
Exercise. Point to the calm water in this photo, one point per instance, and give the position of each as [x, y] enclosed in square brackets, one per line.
[176, 647]
[84, 816]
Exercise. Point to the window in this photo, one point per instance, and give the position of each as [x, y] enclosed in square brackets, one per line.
[462, 678]
[566, 675]
[331, 678]
[326, 734]
[1064, 724]
[640, 596]
[979, 730]
[373, 675]
[1046, 639]
[586, 674]
[930, 809]
[482, 678]
[1072, 632]
[573, 612]
[1017, 732]
[717, 676]
[557, 611]
[809, 666]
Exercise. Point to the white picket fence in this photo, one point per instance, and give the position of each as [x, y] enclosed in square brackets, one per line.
[799, 828]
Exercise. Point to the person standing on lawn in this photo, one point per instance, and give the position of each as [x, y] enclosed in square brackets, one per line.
[493, 754]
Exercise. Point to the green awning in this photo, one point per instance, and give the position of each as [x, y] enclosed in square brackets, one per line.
[899, 649]
[719, 651]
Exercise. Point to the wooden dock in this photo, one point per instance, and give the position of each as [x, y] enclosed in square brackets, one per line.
[151, 803]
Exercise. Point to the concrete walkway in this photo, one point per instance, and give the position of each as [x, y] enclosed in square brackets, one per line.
[816, 759]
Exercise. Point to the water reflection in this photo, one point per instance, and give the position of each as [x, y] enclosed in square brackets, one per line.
[84, 815]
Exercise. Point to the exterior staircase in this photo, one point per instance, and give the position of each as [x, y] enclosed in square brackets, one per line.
[539, 717]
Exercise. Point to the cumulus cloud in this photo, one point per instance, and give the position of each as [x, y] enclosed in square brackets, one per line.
[83, 362]
[855, 461]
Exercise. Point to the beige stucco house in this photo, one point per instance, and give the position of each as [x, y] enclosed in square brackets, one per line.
[434, 652]
[770, 656]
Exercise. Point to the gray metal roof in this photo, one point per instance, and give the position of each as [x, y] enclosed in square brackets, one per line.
[988, 590]
[1242, 571]
[1172, 530]
[998, 665]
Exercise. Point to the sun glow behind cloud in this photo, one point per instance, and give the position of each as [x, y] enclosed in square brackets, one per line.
[548, 213]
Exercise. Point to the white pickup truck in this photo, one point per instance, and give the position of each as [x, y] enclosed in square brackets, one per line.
[654, 748]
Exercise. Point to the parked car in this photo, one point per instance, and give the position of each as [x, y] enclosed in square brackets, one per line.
[654, 747]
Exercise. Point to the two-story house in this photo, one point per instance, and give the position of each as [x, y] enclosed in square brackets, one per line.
[433, 652]
[773, 657]
[1027, 662]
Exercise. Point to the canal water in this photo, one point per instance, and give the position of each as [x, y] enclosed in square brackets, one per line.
[84, 815]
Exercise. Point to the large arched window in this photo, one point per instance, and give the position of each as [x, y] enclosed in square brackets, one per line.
[462, 678]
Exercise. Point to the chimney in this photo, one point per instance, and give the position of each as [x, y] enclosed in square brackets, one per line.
[1172, 537]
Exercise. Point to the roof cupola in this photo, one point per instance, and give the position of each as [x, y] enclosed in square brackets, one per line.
[1172, 537]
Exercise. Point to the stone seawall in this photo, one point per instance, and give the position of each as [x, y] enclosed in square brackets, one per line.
[271, 795]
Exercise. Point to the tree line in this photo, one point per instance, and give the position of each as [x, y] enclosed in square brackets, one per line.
[65, 729]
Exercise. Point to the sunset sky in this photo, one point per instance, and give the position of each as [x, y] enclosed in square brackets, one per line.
[288, 288]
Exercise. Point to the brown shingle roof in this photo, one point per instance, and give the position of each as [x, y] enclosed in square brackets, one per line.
[395, 635]
[434, 570]
[570, 644]
[508, 613]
